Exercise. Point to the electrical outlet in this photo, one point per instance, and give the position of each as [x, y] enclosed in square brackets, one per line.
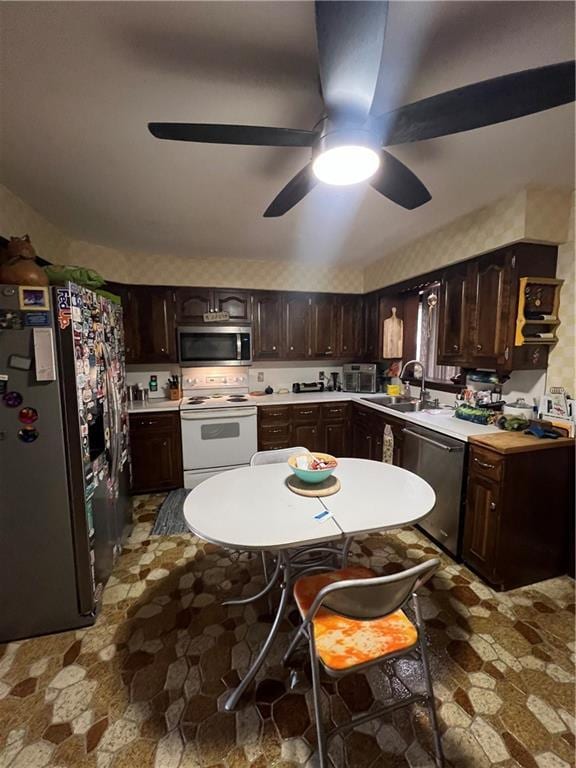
[321, 376]
[260, 376]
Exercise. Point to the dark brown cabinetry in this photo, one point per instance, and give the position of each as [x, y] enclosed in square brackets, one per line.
[297, 326]
[193, 303]
[268, 331]
[368, 427]
[155, 452]
[350, 326]
[323, 318]
[149, 327]
[318, 427]
[478, 304]
[513, 534]
[371, 331]
[453, 318]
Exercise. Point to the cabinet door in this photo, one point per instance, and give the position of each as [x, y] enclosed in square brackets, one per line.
[323, 326]
[151, 332]
[267, 328]
[335, 438]
[349, 326]
[481, 526]
[236, 303]
[371, 328]
[490, 279]
[362, 440]
[130, 321]
[297, 326]
[192, 303]
[307, 435]
[453, 318]
[156, 457]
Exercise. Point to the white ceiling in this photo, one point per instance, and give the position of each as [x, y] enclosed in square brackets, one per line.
[81, 80]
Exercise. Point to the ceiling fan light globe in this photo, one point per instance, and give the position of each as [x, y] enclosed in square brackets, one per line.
[347, 164]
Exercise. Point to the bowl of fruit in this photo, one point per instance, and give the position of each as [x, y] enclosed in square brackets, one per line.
[312, 467]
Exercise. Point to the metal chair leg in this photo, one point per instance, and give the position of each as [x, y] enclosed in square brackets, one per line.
[316, 688]
[346, 551]
[292, 647]
[429, 689]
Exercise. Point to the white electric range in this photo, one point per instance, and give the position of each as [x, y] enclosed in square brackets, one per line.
[218, 421]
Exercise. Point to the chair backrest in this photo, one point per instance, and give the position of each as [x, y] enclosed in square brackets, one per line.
[376, 597]
[278, 456]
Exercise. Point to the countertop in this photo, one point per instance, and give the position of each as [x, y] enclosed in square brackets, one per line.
[443, 422]
[514, 442]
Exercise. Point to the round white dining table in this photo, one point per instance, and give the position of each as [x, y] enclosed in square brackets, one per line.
[252, 509]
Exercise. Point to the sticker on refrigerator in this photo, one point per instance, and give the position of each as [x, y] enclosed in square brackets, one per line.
[28, 434]
[63, 302]
[37, 319]
[3, 383]
[11, 320]
[33, 297]
[19, 362]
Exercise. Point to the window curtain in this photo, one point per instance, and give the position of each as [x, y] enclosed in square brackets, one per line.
[428, 336]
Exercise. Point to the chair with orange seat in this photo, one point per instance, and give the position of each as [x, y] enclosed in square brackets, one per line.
[353, 619]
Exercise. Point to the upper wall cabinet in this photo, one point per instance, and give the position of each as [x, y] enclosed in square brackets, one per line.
[268, 329]
[193, 303]
[478, 303]
[371, 341]
[149, 324]
[349, 326]
[323, 320]
[297, 326]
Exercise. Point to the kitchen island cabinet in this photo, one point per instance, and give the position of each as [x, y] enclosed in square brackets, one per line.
[155, 452]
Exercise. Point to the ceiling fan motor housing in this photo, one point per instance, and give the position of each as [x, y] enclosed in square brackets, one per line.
[334, 134]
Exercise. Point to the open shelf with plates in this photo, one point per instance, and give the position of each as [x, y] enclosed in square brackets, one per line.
[537, 319]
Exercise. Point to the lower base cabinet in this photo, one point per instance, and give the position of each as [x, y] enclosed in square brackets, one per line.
[368, 428]
[155, 452]
[518, 511]
[319, 427]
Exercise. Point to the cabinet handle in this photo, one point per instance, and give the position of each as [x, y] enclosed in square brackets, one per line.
[455, 347]
[291, 349]
[506, 353]
[306, 413]
[164, 443]
[162, 349]
[478, 347]
[275, 431]
[492, 505]
[274, 348]
[344, 348]
[484, 464]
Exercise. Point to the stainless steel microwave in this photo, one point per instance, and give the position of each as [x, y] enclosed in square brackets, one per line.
[205, 345]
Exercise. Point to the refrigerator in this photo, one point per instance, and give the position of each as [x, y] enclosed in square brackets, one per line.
[64, 508]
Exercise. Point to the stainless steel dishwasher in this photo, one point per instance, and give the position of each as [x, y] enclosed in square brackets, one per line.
[440, 461]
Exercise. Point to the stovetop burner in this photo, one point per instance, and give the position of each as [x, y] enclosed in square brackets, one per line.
[196, 401]
[237, 399]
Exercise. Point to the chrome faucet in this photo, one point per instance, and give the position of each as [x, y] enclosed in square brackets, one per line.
[423, 386]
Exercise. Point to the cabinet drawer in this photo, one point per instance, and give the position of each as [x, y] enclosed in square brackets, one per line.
[306, 412]
[272, 414]
[486, 464]
[274, 434]
[154, 421]
[334, 411]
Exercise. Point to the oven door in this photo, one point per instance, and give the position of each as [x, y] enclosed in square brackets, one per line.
[203, 346]
[221, 437]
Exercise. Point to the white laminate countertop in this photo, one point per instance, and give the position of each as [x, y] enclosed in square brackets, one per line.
[445, 423]
[155, 404]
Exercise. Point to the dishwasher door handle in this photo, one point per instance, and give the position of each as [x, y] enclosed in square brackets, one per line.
[448, 448]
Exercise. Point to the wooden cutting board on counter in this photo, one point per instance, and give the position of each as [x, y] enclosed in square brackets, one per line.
[518, 442]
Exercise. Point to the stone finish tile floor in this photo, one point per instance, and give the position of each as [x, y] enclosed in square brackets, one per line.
[143, 688]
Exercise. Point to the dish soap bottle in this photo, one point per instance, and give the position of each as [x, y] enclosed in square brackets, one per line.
[153, 384]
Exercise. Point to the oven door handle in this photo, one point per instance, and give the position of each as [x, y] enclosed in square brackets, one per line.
[221, 414]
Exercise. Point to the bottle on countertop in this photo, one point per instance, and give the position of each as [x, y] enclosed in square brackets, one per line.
[153, 384]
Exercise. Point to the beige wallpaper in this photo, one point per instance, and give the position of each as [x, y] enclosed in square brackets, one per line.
[18, 218]
[562, 364]
[232, 273]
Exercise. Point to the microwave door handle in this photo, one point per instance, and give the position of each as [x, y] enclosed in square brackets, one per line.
[238, 346]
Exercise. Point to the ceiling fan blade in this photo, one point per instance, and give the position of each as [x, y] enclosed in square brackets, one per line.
[350, 42]
[293, 192]
[211, 133]
[485, 103]
[397, 182]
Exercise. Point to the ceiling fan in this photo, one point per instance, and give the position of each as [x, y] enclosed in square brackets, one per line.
[348, 142]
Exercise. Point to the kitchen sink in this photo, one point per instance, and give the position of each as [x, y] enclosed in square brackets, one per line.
[388, 400]
[412, 406]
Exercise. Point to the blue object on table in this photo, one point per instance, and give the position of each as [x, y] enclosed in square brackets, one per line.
[538, 431]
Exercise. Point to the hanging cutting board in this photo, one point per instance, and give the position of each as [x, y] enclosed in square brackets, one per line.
[393, 334]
